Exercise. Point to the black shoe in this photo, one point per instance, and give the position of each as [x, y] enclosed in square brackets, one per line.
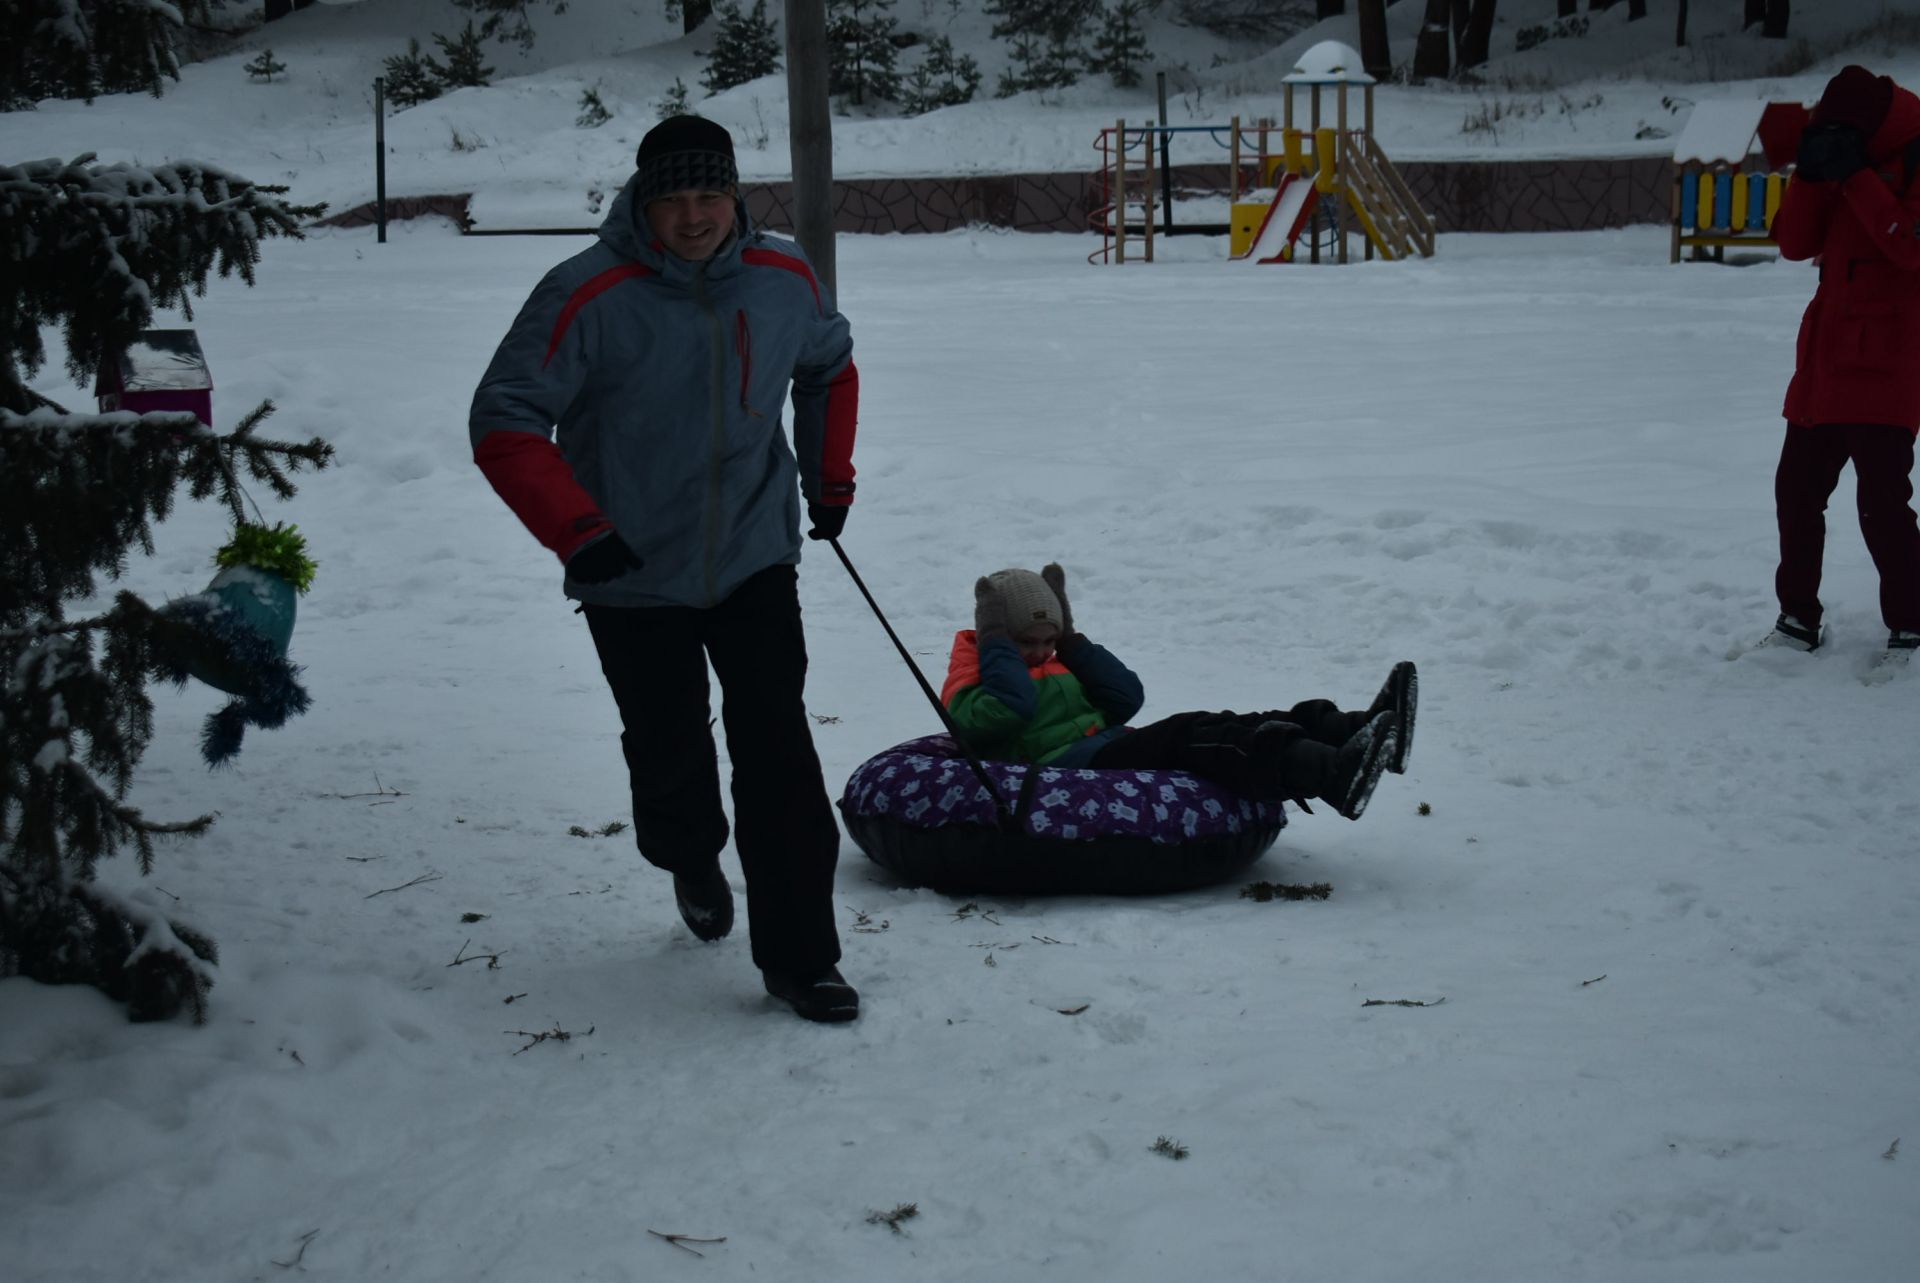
[706, 902]
[1358, 765]
[827, 997]
[1401, 697]
[1788, 631]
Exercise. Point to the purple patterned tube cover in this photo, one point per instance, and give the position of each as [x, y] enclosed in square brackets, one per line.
[927, 784]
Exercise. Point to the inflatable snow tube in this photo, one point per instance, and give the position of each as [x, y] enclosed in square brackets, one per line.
[919, 811]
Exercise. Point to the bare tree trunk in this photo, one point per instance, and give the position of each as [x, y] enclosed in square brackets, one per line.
[1473, 47]
[1636, 10]
[1375, 56]
[1568, 8]
[1595, 6]
[1775, 26]
[1755, 11]
[1460, 10]
[1680, 30]
[810, 135]
[1432, 51]
[1331, 8]
[693, 13]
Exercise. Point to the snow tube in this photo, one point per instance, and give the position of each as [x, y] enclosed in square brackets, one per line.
[919, 811]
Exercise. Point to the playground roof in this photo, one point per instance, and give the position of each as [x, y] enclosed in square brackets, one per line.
[1328, 63]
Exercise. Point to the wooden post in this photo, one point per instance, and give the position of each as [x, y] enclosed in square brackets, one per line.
[1120, 191]
[1342, 164]
[810, 135]
[1147, 136]
[380, 157]
[1333, 209]
[1233, 171]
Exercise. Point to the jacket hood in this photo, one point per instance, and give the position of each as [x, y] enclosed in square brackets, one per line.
[1901, 127]
[625, 231]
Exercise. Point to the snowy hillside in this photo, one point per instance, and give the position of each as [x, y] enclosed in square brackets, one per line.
[1609, 92]
[1614, 986]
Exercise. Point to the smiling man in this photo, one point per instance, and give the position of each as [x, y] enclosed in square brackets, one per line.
[632, 419]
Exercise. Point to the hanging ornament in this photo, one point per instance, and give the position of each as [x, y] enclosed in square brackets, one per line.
[233, 635]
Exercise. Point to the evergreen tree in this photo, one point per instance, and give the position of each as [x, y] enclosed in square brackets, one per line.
[466, 64]
[941, 80]
[1046, 36]
[593, 112]
[860, 50]
[1121, 46]
[265, 67]
[85, 48]
[410, 77]
[674, 101]
[508, 20]
[95, 249]
[746, 47]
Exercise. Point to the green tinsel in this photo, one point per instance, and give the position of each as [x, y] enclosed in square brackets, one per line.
[281, 549]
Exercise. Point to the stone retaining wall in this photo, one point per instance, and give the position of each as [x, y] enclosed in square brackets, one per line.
[1462, 196]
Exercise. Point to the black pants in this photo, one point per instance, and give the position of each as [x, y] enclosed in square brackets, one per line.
[655, 659]
[1810, 464]
[1291, 763]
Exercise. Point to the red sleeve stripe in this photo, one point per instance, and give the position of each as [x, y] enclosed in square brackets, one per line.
[836, 452]
[585, 295]
[786, 262]
[531, 474]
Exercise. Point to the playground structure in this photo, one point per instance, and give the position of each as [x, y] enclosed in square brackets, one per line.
[1327, 180]
[1723, 198]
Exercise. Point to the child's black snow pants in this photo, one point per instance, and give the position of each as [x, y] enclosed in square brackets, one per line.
[1292, 758]
[655, 659]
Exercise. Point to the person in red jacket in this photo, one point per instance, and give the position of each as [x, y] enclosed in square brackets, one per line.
[1854, 208]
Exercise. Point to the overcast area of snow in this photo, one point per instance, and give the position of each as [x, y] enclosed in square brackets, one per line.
[1661, 911]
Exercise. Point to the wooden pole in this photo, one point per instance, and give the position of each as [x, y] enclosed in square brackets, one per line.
[1147, 136]
[1341, 164]
[1234, 165]
[380, 157]
[810, 135]
[1120, 191]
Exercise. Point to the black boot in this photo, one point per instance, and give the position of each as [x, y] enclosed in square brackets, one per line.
[1401, 697]
[1358, 764]
[827, 998]
[706, 902]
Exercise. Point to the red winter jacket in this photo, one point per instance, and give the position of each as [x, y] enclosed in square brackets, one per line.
[1858, 359]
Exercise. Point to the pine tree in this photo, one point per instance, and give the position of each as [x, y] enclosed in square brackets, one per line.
[466, 64]
[85, 48]
[1121, 46]
[94, 249]
[941, 80]
[1046, 36]
[860, 50]
[593, 112]
[674, 101]
[746, 47]
[410, 77]
[265, 67]
[508, 20]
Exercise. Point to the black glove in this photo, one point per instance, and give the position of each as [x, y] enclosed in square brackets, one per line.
[601, 560]
[1830, 153]
[828, 519]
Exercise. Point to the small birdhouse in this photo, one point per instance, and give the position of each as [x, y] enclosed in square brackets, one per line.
[161, 370]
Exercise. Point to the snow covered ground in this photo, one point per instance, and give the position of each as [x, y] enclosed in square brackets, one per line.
[1662, 908]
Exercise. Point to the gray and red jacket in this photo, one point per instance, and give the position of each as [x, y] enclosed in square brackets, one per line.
[641, 393]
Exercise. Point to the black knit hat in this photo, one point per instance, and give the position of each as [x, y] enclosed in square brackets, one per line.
[684, 153]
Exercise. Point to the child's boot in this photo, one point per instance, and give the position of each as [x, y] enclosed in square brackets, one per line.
[1401, 697]
[1342, 777]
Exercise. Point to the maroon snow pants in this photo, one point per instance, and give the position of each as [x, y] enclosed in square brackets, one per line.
[1810, 464]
